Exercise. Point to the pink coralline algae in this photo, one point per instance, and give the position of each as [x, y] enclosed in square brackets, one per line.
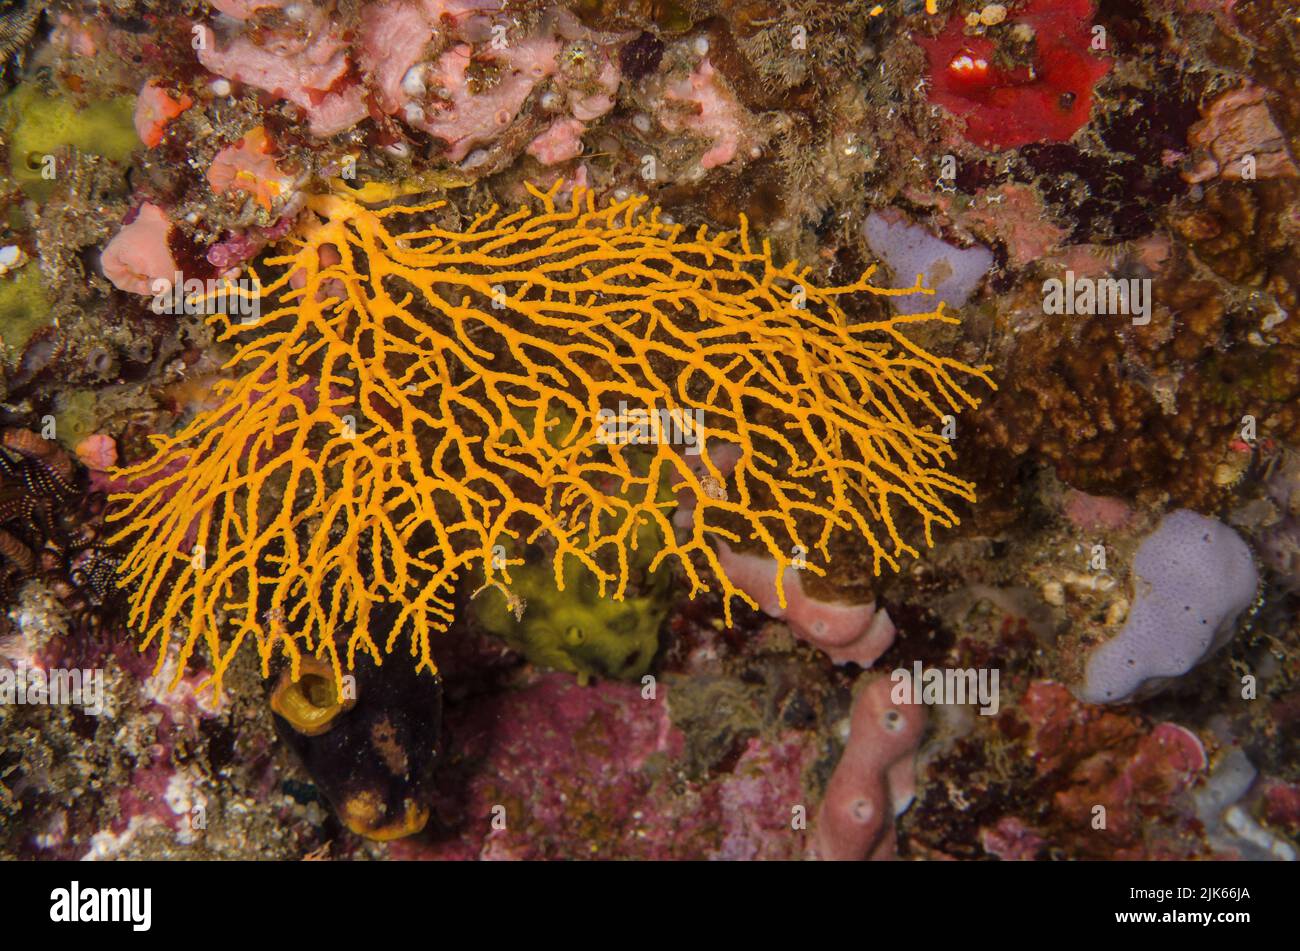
[1237, 138]
[1146, 772]
[611, 757]
[1011, 840]
[1169, 749]
[139, 253]
[1281, 806]
[755, 802]
[1014, 214]
[1005, 107]
[162, 792]
[1096, 757]
[875, 779]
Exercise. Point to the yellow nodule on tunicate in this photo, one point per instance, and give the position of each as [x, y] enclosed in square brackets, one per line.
[311, 703]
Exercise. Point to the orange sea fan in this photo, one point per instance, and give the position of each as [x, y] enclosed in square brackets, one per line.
[416, 402]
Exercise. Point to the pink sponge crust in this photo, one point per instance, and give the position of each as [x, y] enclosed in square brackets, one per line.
[848, 633]
[705, 108]
[1096, 512]
[465, 118]
[394, 36]
[561, 141]
[314, 74]
[139, 254]
[97, 452]
[154, 109]
[418, 61]
[875, 779]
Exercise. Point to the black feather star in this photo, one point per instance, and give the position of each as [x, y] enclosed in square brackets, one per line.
[19, 21]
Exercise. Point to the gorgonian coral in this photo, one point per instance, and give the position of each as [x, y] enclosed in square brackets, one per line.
[419, 402]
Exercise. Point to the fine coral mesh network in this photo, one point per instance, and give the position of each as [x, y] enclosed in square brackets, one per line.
[415, 403]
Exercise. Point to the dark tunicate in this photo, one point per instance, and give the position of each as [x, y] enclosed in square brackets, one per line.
[1129, 182]
[140, 350]
[371, 752]
[192, 260]
[42, 353]
[641, 57]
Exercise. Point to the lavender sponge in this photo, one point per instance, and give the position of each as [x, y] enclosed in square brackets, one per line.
[1193, 577]
[953, 273]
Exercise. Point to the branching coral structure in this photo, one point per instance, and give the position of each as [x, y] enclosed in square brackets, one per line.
[416, 404]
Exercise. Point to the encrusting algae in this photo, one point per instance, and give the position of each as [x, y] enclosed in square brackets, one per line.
[414, 403]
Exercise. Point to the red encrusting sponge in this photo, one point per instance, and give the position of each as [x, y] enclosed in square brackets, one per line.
[1047, 100]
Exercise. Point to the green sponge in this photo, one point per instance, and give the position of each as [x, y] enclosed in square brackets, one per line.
[24, 308]
[38, 125]
[576, 629]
